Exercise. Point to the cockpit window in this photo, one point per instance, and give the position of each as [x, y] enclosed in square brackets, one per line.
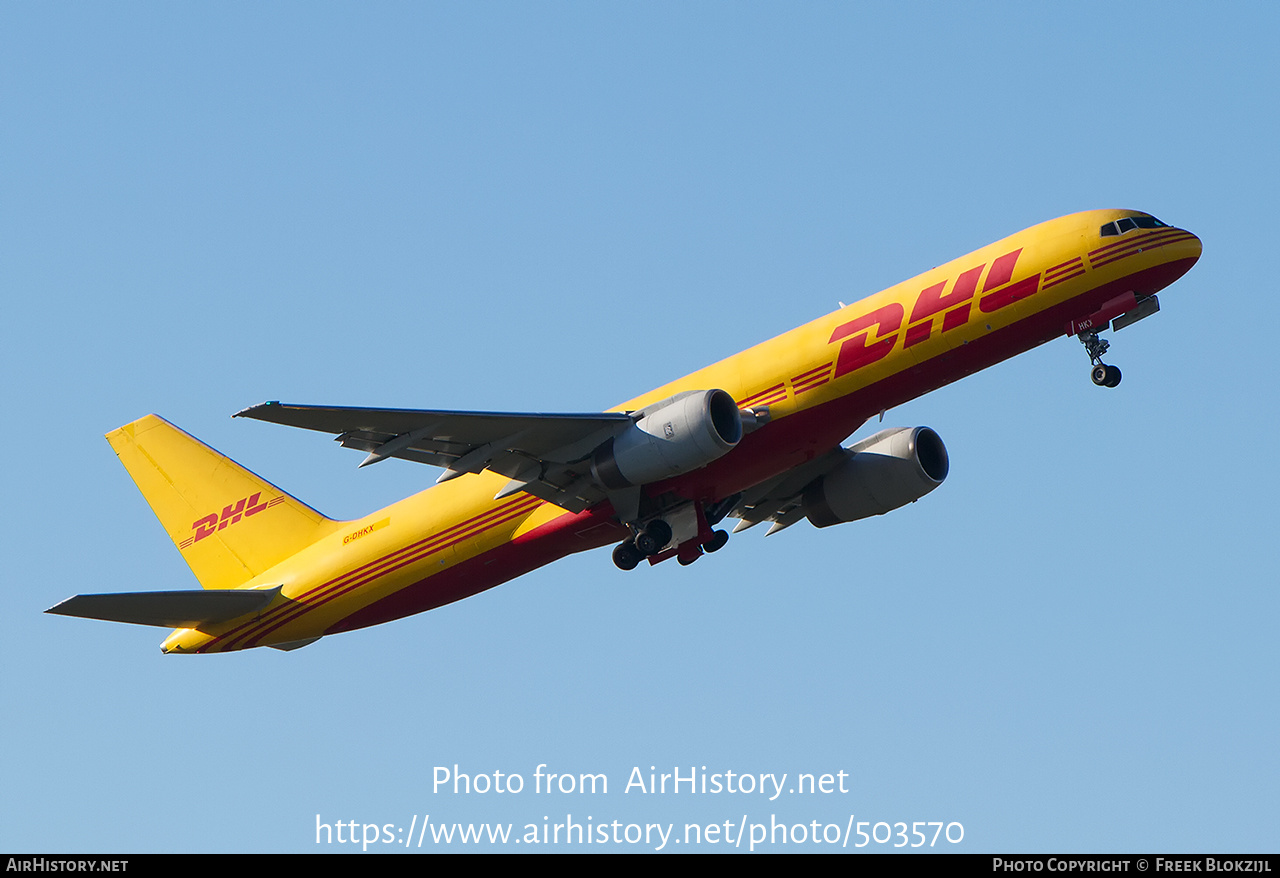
[1129, 223]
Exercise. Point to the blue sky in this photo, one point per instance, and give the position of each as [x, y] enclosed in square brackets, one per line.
[1068, 647]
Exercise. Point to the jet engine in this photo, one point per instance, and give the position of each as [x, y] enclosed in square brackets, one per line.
[883, 472]
[672, 437]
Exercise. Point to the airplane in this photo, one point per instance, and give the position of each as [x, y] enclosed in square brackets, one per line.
[756, 437]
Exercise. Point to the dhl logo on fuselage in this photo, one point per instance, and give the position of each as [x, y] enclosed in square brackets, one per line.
[858, 349]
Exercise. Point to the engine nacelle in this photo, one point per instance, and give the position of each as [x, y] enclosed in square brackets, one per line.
[888, 470]
[674, 437]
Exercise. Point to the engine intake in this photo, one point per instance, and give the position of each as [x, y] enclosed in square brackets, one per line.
[888, 470]
[672, 437]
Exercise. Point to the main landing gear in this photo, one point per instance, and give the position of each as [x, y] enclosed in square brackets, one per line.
[626, 556]
[691, 551]
[648, 540]
[1102, 374]
[654, 537]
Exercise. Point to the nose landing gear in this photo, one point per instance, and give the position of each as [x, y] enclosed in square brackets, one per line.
[1105, 376]
[1102, 374]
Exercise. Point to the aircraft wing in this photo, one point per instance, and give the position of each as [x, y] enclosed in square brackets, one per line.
[779, 499]
[546, 455]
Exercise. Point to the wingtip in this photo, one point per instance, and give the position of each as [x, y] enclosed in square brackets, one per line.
[248, 412]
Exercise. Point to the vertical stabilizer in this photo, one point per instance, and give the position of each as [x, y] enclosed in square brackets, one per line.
[229, 524]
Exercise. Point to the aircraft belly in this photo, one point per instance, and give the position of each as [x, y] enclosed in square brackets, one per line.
[563, 535]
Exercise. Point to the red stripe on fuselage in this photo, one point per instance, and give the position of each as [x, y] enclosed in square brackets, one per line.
[1139, 247]
[1130, 240]
[1064, 267]
[800, 379]
[756, 398]
[347, 581]
[1063, 278]
[374, 576]
[565, 535]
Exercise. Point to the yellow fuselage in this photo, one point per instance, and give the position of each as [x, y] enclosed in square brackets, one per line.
[819, 382]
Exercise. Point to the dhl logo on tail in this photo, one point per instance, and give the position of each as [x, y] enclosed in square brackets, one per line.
[231, 513]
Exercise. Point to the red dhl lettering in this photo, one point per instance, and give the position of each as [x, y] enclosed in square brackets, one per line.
[872, 336]
[231, 513]
[857, 352]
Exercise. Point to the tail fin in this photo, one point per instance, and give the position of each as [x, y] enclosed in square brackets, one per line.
[229, 524]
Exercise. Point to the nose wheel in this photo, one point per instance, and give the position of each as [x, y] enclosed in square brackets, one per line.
[1102, 374]
[1105, 376]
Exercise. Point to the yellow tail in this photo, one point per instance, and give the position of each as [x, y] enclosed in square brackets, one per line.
[229, 524]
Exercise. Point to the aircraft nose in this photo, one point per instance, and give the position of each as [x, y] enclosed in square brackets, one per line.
[1192, 245]
[1179, 252]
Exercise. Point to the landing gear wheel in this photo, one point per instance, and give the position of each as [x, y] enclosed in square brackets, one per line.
[685, 562]
[717, 541]
[1102, 374]
[646, 544]
[1105, 376]
[627, 556]
[658, 531]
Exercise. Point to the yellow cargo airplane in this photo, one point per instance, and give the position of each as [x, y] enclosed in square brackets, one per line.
[754, 437]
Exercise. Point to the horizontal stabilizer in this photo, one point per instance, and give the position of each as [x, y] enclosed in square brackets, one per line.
[167, 609]
[293, 644]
